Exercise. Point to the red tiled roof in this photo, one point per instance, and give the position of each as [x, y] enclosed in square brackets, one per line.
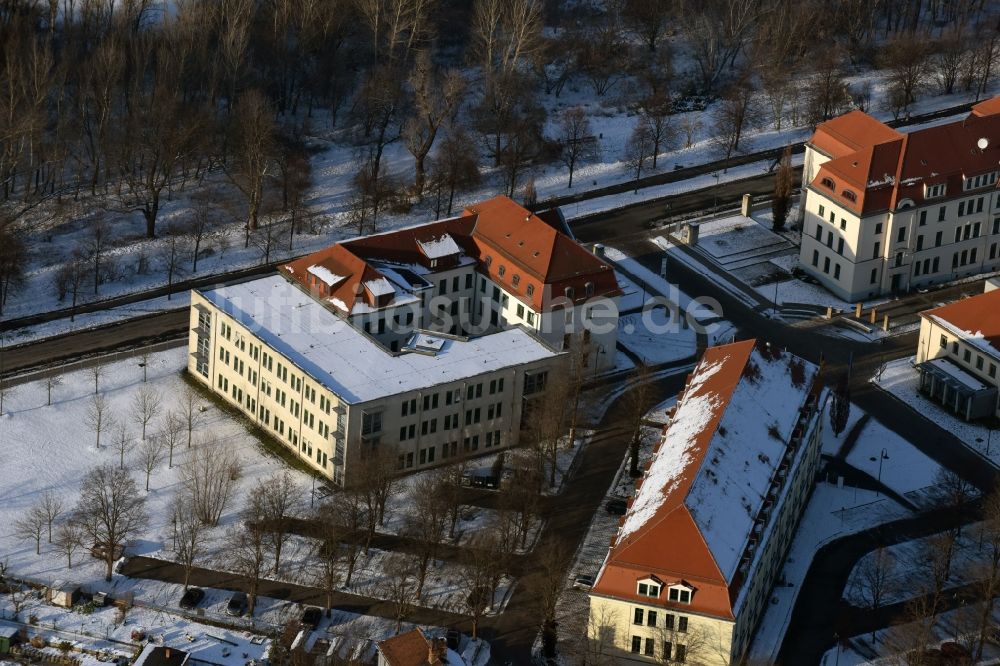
[497, 233]
[977, 314]
[671, 530]
[882, 167]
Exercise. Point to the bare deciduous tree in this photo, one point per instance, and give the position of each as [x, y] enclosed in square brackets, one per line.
[191, 411]
[436, 100]
[149, 454]
[111, 510]
[737, 113]
[425, 524]
[69, 539]
[123, 442]
[254, 151]
[31, 526]
[171, 433]
[328, 552]
[400, 587]
[279, 498]
[638, 149]
[210, 476]
[145, 406]
[453, 168]
[247, 555]
[576, 139]
[189, 534]
[98, 417]
[52, 507]
[376, 481]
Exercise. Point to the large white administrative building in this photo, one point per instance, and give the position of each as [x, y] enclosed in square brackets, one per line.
[426, 342]
[690, 571]
[885, 212]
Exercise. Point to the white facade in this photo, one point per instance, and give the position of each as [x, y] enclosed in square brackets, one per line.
[892, 251]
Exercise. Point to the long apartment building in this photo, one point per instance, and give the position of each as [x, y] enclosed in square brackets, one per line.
[690, 571]
[885, 211]
[357, 349]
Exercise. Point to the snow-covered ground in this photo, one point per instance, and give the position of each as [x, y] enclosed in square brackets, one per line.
[657, 336]
[902, 380]
[832, 512]
[50, 449]
[904, 468]
[676, 254]
[909, 561]
[888, 645]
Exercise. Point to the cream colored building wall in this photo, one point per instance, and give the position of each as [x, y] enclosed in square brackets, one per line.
[912, 258]
[325, 432]
[305, 417]
[611, 628]
[726, 641]
[937, 342]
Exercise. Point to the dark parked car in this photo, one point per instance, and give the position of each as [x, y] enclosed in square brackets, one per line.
[453, 638]
[192, 597]
[237, 604]
[312, 616]
[616, 506]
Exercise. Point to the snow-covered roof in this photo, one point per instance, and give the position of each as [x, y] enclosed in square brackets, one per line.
[700, 498]
[349, 363]
[380, 287]
[952, 370]
[325, 275]
[438, 248]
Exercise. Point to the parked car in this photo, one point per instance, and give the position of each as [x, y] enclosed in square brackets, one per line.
[584, 582]
[616, 506]
[237, 604]
[192, 597]
[311, 616]
[453, 638]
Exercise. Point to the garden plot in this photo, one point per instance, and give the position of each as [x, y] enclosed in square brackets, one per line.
[905, 468]
[898, 566]
[901, 379]
[50, 449]
[657, 336]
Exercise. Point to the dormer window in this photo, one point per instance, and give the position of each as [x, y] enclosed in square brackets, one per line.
[680, 594]
[434, 263]
[850, 196]
[828, 182]
[982, 180]
[501, 271]
[516, 280]
[932, 191]
[531, 290]
[649, 590]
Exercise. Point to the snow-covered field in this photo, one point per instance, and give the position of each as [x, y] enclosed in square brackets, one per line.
[904, 468]
[909, 561]
[50, 449]
[657, 336]
[902, 380]
[832, 512]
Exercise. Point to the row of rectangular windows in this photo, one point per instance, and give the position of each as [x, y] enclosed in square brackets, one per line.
[450, 449]
[671, 652]
[967, 356]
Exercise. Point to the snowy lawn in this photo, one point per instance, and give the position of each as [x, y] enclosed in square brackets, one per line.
[901, 379]
[832, 442]
[51, 449]
[905, 469]
[909, 562]
[657, 336]
[831, 512]
[889, 644]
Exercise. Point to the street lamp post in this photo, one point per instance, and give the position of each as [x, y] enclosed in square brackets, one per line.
[883, 456]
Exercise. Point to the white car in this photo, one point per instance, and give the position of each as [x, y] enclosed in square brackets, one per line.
[584, 582]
